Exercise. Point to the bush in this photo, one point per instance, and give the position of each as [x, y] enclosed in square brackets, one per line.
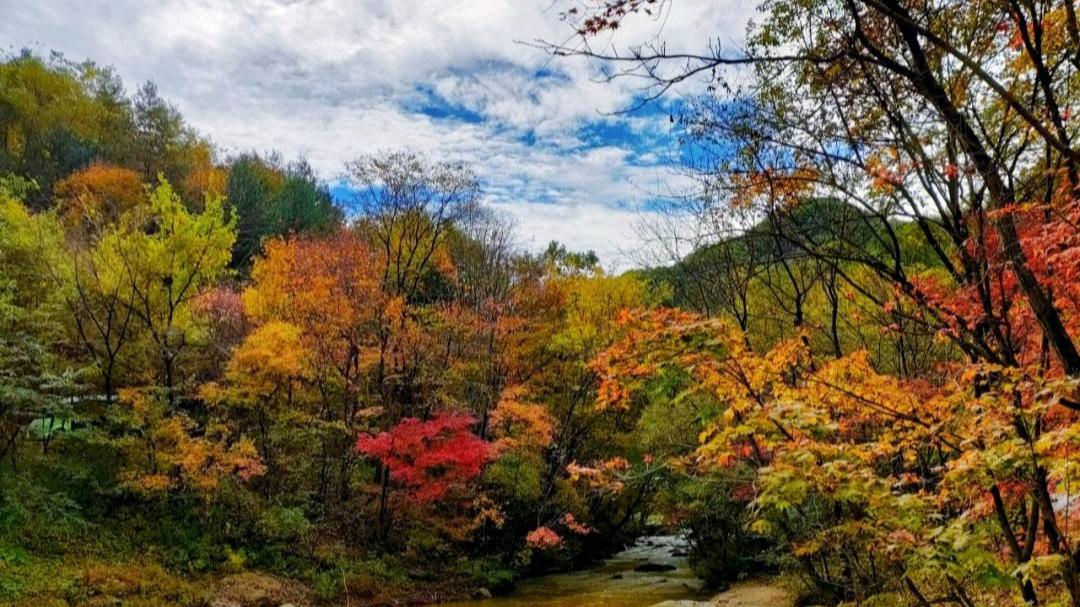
[367, 579]
[493, 575]
[280, 524]
[36, 518]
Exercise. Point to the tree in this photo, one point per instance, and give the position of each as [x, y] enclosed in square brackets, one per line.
[264, 379]
[99, 296]
[161, 138]
[407, 206]
[429, 458]
[303, 205]
[329, 287]
[172, 453]
[887, 107]
[271, 199]
[31, 383]
[93, 198]
[909, 94]
[570, 262]
[92, 202]
[205, 178]
[167, 256]
[520, 425]
[484, 315]
[249, 191]
[859, 473]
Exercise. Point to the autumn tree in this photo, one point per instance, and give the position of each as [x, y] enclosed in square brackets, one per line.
[894, 83]
[205, 176]
[946, 127]
[166, 255]
[582, 322]
[96, 197]
[408, 204]
[91, 202]
[98, 295]
[485, 315]
[328, 290]
[262, 386]
[840, 464]
[429, 458]
[170, 454]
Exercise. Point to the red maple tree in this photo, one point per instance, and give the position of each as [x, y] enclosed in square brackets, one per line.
[428, 458]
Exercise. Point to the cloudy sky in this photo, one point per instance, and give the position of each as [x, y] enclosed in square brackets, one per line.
[335, 79]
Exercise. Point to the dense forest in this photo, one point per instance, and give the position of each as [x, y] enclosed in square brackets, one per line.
[852, 362]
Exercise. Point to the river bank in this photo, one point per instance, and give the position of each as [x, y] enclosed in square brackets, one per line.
[755, 593]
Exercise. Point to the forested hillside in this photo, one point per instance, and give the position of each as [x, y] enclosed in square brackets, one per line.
[853, 365]
[209, 367]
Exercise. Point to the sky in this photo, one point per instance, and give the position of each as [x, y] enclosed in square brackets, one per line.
[332, 80]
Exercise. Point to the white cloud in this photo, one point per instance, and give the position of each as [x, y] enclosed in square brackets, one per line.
[334, 79]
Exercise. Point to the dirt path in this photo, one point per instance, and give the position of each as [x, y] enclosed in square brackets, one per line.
[754, 594]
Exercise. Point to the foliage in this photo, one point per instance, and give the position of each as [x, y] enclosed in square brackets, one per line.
[166, 256]
[271, 199]
[97, 196]
[429, 458]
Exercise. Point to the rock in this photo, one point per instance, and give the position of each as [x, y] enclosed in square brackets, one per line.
[654, 567]
[481, 593]
[251, 589]
[754, 593]
[257, 597]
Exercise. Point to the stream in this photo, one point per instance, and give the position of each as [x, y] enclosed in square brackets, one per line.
[615, 583]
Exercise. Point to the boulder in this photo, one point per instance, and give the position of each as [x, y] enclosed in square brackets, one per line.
[251, 589]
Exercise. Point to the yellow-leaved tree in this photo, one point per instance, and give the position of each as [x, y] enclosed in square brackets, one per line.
[165, 256]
